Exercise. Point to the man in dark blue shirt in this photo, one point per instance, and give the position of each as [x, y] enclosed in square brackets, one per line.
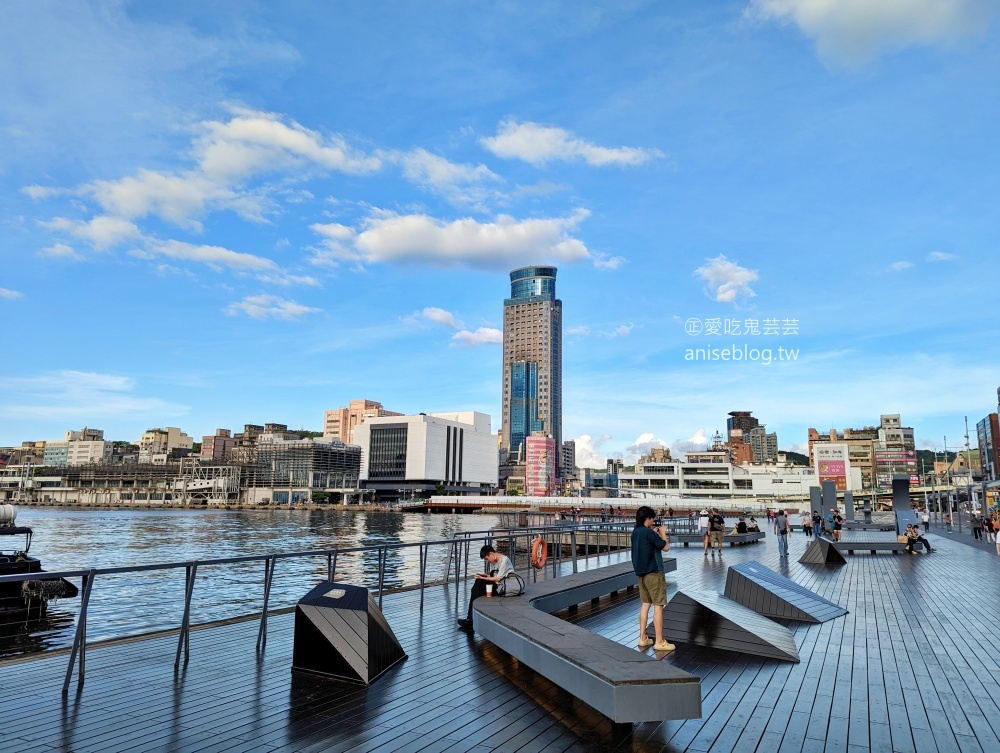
[648, 544]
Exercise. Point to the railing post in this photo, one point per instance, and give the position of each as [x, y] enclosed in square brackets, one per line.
[381, 573]
[458, 569]
[447, 567]
[333, 570]
[184, 640]
[329, 566]
[424, 552]
[572, 541]
[269, 564]
[80, 639]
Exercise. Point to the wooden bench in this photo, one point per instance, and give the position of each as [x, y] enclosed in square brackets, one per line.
[622, 683]
[872, 546]
[730, 538]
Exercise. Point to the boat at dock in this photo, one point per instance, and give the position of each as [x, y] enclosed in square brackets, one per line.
[20, 598]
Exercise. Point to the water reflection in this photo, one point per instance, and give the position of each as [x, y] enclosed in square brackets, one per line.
[135, 603]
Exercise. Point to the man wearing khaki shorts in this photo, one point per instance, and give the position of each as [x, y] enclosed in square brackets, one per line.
[648, 544]
[716, 531]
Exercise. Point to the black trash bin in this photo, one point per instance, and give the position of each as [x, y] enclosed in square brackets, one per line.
[341, 633]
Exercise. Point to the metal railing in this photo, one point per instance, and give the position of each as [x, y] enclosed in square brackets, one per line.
[459, 552]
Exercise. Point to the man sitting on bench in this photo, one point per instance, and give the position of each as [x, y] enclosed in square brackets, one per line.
[912, 537]
[502, 567]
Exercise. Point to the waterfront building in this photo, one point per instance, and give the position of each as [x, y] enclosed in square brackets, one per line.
[341, 422]
[283, 471]
[707, 476]
[87, 451]
[532, 361]
[861, 450]
[739, 422]
[406, 456]
[156, 445]
[763, 445]
[988, 434]
[540, 466]
[570, 481]
[895, 452]
[248, 437]
[217, 447]
[56, 453]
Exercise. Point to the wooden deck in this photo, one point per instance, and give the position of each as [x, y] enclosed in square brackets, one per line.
[904, 671]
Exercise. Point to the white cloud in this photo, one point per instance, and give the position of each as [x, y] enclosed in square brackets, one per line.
[101, 232]
[482, 336]
[63, 395]
[60, 251]
[468, 242]
[42, 192]
[941, 256]
[578, 331]
[898, 266]
[227, 155]
[440, 316]
[605, 263]
[854, 31]
[642, 445]
[460, 184]
[215, 256]
[10, 295]
[269, 307]
[538, 144]
[728, 282]
[587, 451]
[695, 443]
[622, 330]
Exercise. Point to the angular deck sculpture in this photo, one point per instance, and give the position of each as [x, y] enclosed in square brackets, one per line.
[773, 595]
[822, 552]
[340, 632]
[713, 621]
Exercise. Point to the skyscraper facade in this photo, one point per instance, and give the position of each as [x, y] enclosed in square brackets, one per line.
[532, 360]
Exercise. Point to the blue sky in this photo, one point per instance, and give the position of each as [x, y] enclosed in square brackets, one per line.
[226, 213]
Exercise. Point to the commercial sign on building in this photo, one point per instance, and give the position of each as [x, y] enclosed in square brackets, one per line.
[832, 463]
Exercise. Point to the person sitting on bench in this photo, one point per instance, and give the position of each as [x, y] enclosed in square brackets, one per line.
[502, 567]
[912, 537]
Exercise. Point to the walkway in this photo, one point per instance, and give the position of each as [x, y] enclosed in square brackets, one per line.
[903, 671]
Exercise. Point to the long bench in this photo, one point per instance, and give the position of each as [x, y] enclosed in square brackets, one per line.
[622, 683]
[872, 546]
[730, 538]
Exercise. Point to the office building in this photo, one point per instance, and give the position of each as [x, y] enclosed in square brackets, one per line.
[341, 422]
[157, 445]
[532, 361]
[438, 453]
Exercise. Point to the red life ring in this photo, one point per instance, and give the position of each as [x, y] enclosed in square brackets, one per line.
[539, 551]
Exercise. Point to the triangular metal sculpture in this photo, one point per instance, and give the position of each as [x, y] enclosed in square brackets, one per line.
[822, 552]
[340, 632]
[713, 621]
[773, 595]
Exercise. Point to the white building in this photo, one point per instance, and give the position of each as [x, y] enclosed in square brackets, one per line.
[156, 444]
[711, 477]
[402, 456]
[87, 451]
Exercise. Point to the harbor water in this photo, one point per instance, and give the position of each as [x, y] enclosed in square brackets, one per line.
[131, 604]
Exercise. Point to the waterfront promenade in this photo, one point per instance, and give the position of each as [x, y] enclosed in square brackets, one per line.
[912, 667]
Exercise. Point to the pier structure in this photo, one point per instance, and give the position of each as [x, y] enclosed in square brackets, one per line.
[908, 668]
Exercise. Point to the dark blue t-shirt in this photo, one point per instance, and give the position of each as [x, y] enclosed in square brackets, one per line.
[647, 551]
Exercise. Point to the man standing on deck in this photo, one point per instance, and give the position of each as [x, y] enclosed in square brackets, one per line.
[782, 527]
[648, 544]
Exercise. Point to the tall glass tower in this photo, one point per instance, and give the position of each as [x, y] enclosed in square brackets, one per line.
[532, 360]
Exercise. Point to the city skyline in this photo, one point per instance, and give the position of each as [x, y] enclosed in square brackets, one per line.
[252, 212]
